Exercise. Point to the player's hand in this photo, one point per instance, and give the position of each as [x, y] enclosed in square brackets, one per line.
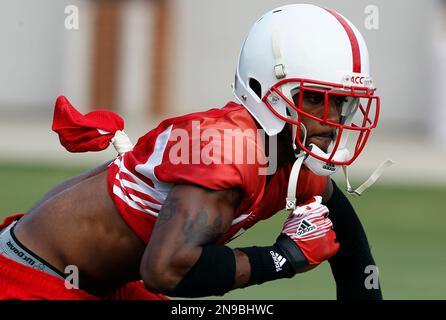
[312, 231]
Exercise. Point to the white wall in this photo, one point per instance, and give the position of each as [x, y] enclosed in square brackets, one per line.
[40, 60]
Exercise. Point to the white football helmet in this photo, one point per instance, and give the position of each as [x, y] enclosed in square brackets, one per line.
[305, 48]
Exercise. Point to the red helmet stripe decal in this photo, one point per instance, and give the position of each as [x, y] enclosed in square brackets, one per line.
[353, 41]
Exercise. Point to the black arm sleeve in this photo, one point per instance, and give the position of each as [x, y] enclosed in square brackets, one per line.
[214, 272]
[349, 264]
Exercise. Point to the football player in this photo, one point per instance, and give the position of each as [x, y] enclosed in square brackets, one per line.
[155, 221]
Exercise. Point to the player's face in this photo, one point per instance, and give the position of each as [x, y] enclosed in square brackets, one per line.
[319, 133]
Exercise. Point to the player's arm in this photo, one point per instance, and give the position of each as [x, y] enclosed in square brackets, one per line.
[190, 218]
[71, 182]
[182, 259]
[349, 264]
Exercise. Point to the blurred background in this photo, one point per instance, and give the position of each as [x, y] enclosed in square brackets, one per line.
[151, 59]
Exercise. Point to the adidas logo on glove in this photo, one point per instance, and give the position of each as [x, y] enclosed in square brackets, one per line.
[304, 228]
[279, 261]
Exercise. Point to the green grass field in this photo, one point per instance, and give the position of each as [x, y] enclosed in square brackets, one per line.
[405, 226]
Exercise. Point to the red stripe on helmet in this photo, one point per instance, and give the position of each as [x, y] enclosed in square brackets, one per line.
[353, 41]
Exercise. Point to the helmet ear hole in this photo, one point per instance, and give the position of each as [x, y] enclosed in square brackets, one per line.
[256, 87]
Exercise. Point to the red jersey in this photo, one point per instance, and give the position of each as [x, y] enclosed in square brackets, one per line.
[217, 149]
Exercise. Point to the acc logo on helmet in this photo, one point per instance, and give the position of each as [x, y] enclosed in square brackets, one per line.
[358, 79]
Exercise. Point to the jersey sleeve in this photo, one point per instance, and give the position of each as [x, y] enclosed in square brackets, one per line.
[196, 151]
[205, 160]
[177, 168]
[189, 149]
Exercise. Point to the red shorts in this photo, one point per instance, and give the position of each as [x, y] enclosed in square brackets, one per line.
[21, 282]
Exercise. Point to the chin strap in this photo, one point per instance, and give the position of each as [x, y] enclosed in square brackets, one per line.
[279, 67]
[292, 183]
[302, 158]
[279, 72]
[371, 180]
[291, 200]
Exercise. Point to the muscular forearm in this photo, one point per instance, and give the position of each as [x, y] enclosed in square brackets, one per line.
[220, 269]
[242, 269]
[182, 258]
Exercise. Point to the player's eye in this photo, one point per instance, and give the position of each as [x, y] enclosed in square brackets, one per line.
[340, 100]
[314, 98]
